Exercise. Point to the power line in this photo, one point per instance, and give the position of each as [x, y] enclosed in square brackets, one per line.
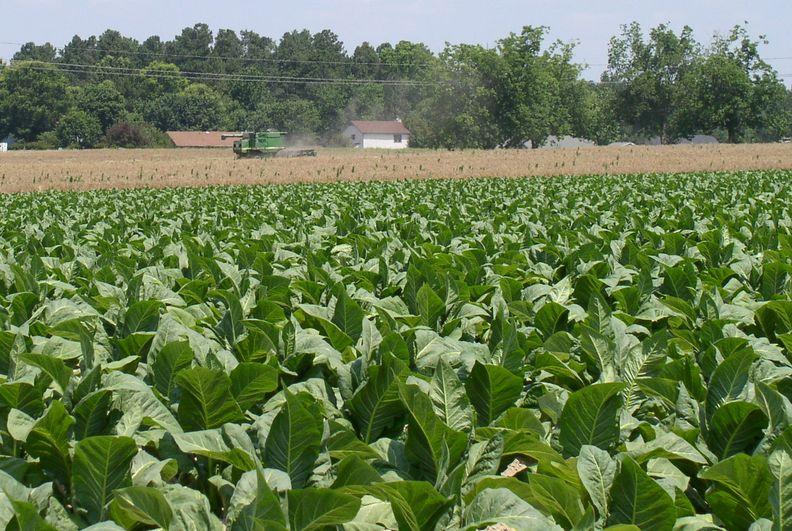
[77, 68]
[350, 62]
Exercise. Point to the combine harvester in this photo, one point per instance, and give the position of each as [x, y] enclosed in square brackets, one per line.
[268, 144]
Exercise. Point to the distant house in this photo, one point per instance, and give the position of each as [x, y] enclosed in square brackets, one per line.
[201, 139]
[378, 134]
[696, 139]
[699, 139]
[7, 142]
[567, 141]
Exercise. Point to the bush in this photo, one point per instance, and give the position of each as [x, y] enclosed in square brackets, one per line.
[78, 129]
[135, 135]
[47, 140]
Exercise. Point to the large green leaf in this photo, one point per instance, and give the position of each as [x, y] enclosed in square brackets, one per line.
[504, 343]
[430, 306]
[210, 444]
[348, 316]
[776, 406]
[92, 414]
[427, 435]
[376, 404]
[728, 380]
[171, 359]
[780, 463]
[597, 471]
[449, 398]
[551, 318]
[740, 492]
[264, 512]
[638, 500]
[191, 509]
[311, 509]
[206, 400]
[416, 504]
[138, 403]
[101, 465]
[49, 442]
[142, 316]
[26, 518]
[492, 390]
[294, 438]
[502, 506]
[144, 506]
[556, 498]
[352, 470]
[52, 367]
[251, 382]
[591, 417]
[735, 427]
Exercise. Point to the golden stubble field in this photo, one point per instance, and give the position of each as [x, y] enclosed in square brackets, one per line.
[120, 168]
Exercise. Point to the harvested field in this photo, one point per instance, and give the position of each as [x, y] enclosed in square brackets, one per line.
[83, 170]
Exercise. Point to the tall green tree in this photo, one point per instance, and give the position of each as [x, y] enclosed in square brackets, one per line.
[731, 89]
[226, 53]
[33, 96]
[531, 89]
[112, 43]
[191, 48]
[646, 71]
[406, 60]
[102, 101]
[162, 78]
[462, 110]
[33, 52]
[80, 51]
[79, 129]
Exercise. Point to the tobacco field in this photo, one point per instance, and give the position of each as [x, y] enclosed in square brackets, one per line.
[546, 353]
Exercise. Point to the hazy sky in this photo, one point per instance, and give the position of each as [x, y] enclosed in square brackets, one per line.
[433, 22]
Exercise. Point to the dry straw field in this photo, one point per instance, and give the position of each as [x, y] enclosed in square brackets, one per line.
[82, 170]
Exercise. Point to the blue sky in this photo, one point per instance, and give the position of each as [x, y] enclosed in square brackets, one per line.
[434, 22]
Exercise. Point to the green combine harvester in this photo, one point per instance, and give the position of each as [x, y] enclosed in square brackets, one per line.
[267, 144]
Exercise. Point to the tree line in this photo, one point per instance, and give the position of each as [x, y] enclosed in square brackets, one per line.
[113, 90]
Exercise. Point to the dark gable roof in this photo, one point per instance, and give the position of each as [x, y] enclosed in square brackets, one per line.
[200, 139]
[381, 127]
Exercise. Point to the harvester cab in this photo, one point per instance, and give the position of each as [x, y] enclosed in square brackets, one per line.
[265, 145]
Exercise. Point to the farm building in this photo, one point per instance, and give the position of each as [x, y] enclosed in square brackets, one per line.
[378, 134]
[567, 141]
[201, 139]
[7, 142]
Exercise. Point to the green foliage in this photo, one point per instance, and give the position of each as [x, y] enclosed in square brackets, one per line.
[467, 96]
[79, 129]
[670, 86]
[647, 73]
[32, 99]
[134, 135]
[382, 355]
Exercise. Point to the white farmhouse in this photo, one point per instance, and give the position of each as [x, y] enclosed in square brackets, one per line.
[378, 134]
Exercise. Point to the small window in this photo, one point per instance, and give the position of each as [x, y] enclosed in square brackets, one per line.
[397, 139]
[354, 137]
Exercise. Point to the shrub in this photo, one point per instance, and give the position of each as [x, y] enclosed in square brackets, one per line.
[134, 135]
[78, 129]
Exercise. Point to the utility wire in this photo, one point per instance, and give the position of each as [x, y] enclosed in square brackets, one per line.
[77, 68]
[350, 62]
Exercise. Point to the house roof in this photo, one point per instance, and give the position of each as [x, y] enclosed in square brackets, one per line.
[381, 127]
[200, 138]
